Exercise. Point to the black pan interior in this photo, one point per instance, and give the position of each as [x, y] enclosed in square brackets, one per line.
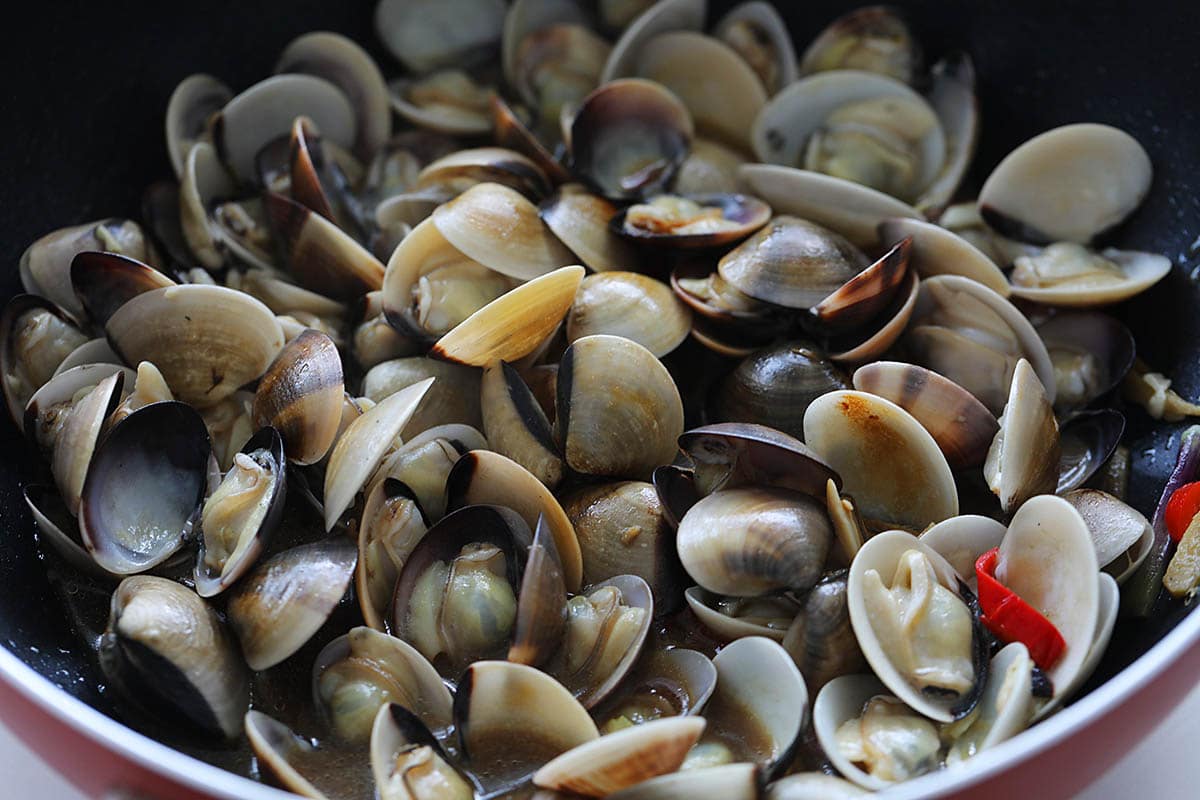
[87, 86]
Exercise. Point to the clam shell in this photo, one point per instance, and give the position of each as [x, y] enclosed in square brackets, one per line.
[104, 282]
[875, 38]
[849, 208]
[881, 553]
[626, 440]
[464, 169]
[631, 305]
[962, 426]
[731, 454]
[511, 132]
[839, 701]
[727, 782]
[1117, 530]
[516, 426]
[661, 17]
[728, 627]
[79, 435]
[453, 397]
[710, 167]
[482, 477]
[193, 102]
[49, 405]
[723, 101]
[389, 529]
[1048, 559]
[1092, 335]
[764, 20]
[93, 351]
[361, 448]
[204, 182]
[275, 747]
[207, 341]
[1005, 707]
[1141, 271]
[56, 526]
[890, 464]
[952, 96]
[403, 747]
[1088, 439]
[820, 639]
[266, 111]
[865, 295]
[1052, 187]
[345, 64]
[962, 540]
[812, 786]
[513, 325]
[300, 394]
[1106, 619]
[872, 342]
[937, 251]
[287, 598]
[528, 16]
[580, 220]
[619, 760]
[430, 34]
[500, 229]
[322, 256]
[1023, 460]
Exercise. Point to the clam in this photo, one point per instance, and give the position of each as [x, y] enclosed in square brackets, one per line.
[760, 36]
[697, 221]
[851, 209]
[513, 325]
[872, 340]
[890, 464]
[78, 434]
[622, 529]
[724, 320]
[1068, 274]
[724, 102]
[93, 351]
[774, 386]
[792, 262]
[167, 650]
[629, 137]
[1122, 536]
[230, 425]
[206, 340]
[541, 620]
[266, 110]
[580, 220]
[952, 96]
[57, 527]
[284, 758]
[1091, 353]
[873, 38]
[363, 445]
[860, 126]
[918, 631]
[422, 464]
[753, 541]
[962, 540]
[556, 65]
[525, 17]
[616, 761]
[408, 762]
[728, 781]
[601, 438]
[820, 638]
[973, 336]
[511, 719]
[937, 251]
[345, 64]
[864, 297]
[962, 426]
[239, 516]
[287, 598]
[375, 340]
[661, 17]
[461, 170]
[1023, 460]
[193, 103]
[103, 282]
[428, 35]
[729, 455]
[760, 706]
[300, 394]
[604, 633]
[212, 223]
[675, 682]
[732, 618]
[510, 130]
[321, 255]
[390, 527]
[35, 338]
[143, 487]
[630, 305]
[499, 228]
[315, 180]
[457, 593]
[1050, 189]
[516, 426]
[357, 674]
[812, 786]
[1005, 708]
[50, 407]
[45, 265]
[481, 477]
[709, 168]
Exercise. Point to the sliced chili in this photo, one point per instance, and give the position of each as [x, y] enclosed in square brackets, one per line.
[1011, 619]
[1181, 509]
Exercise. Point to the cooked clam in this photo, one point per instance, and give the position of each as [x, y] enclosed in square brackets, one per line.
[874, 38]
[630, 305]
[581, 220]
[1023, 460]
[35, 337]
[428, 35]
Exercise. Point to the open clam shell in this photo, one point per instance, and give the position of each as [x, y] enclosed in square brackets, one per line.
[35, 337]
[453, 398]
[1103, 278]
[286, 599]
[525, 17]
[78, 436]
[728, 782]
[193, 103]
[732, 454]
[874, 38]
[734, 618]
[619, 760]
[484, 477]
[58, 527]
[952, 96]
[581, 220]
[874, 339]
[1122, 536]
[429, 34]
[103, 282]
[322, 256]
[357, 674]
[143, 487]
[405, 756]
[1109, 604]
[631, 305]
[937, 251]
[1087, 440]
[301, 394]
[692, 222]
[1023, 460]
[962, 540]
[1028, 195]
[661, 17]
[890, 464]
[540, 620]
[207, 341]
[1091, 353]
[461, 170]
[820, 639]
[962, 426]
[93, 351]
[240, 515]
[759, 34]
[867, 294]
[512, 718]
[515, 424]
[759, 686]
[510, 131]
[949, 655]
[849, 208]
[51, 405]
[390, 527]
[280, 753]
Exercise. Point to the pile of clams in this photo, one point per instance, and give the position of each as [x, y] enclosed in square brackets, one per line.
[548, 421]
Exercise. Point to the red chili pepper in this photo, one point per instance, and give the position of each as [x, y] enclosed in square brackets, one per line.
[1012, 619]
[1182, 509]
